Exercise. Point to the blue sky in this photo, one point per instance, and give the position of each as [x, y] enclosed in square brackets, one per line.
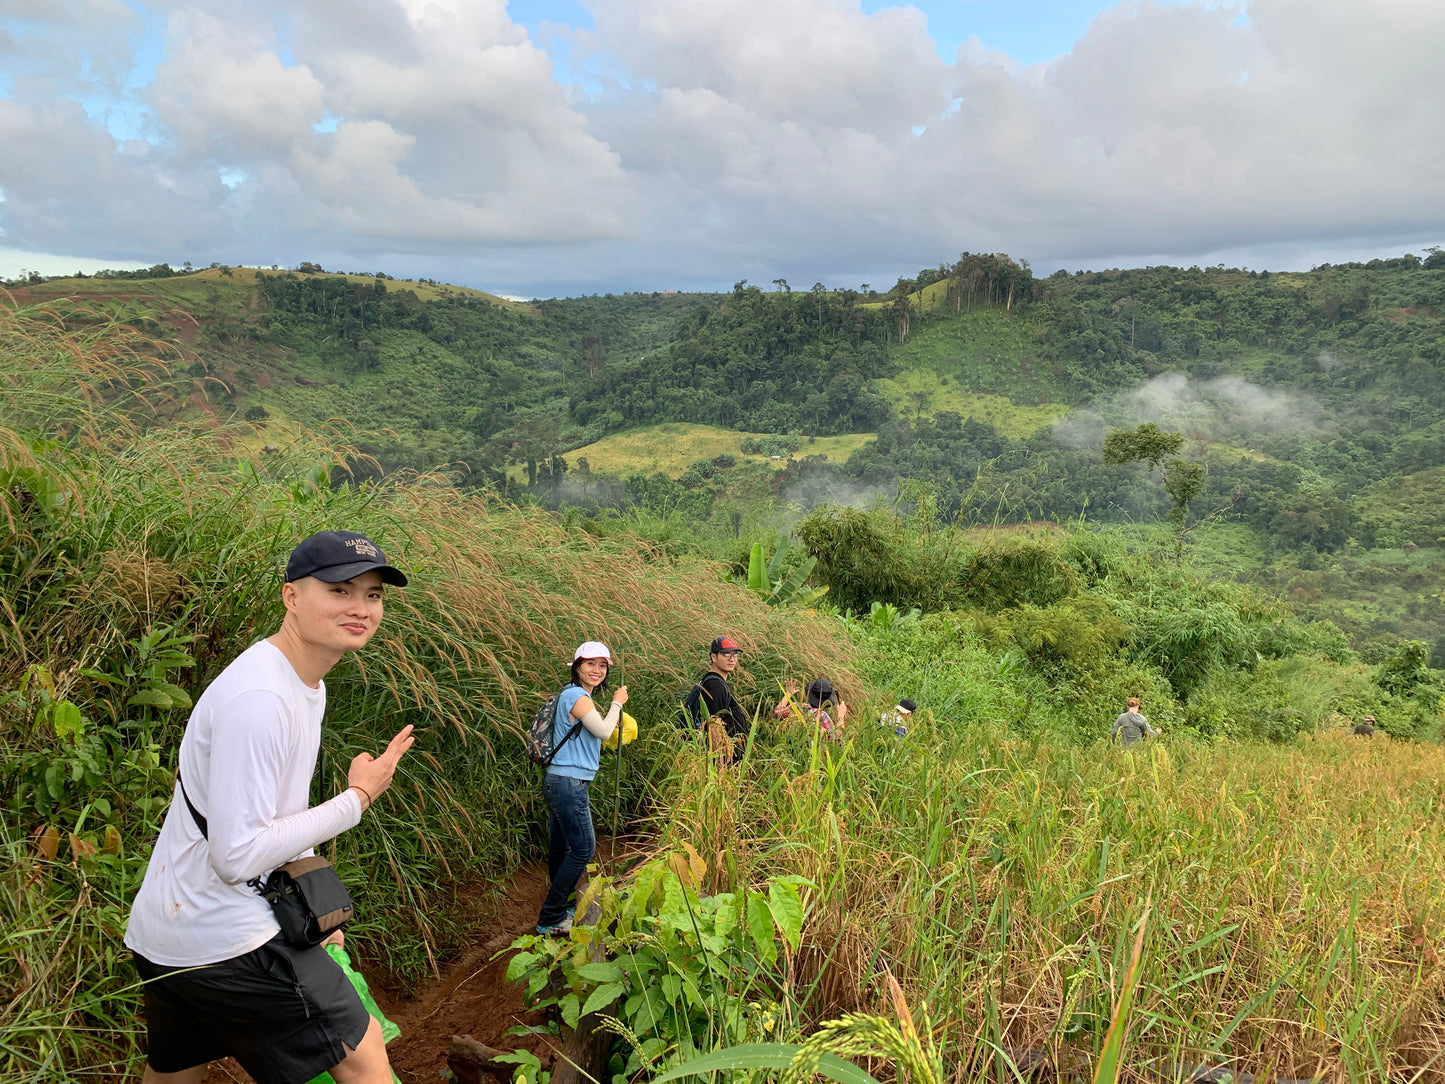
[556, 146]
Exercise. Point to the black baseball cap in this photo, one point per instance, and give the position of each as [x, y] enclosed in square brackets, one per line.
[819, 691]
[724, 645]
[333, 556]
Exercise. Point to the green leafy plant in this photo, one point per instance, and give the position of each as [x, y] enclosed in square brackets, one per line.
[792, 589]
[679, 971]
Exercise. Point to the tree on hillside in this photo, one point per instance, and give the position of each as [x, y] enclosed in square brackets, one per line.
[990, 278]
[1148, 443]
[1183, 479]
[901, 306]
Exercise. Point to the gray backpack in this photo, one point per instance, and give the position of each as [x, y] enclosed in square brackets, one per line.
[538, 738]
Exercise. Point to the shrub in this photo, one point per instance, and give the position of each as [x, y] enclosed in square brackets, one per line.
[1018, 571]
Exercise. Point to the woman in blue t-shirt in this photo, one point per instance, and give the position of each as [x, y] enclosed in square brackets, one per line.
[578, 731]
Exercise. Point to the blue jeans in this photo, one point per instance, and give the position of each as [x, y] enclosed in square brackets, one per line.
[572, 842]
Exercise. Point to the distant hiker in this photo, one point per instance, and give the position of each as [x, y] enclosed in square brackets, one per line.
[712, 696]
[1365, 728]
[221, 979]
[898, 718]
[1131, 726]
[578, 731]
[816, 698]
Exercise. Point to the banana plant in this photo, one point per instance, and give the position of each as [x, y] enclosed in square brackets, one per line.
[793, 589]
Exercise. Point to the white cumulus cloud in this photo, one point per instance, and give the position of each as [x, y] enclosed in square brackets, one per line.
[702, 142]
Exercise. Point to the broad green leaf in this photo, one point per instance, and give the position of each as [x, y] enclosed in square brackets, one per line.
[760, 925]
[725, 920]
[646, 1010]
[787, 911]
[571, 1007]
[603, 996]
[672, 895]
[151, 698]
[65, 717]
[179, 697]
[757, 572]
[519, 964]
[55, 780]
[765, 1056]
[601, 971]
[787, 591]
[644, 887]
[642, 962]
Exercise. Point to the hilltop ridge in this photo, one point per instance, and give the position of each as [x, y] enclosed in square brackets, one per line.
[1312, 402]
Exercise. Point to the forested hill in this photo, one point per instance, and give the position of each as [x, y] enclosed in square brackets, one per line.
[460, 375]
[1312, 404]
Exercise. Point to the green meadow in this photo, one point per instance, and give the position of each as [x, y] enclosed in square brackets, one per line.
[923, 393]
[672, 447]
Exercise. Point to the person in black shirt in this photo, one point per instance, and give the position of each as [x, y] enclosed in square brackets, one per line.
[716, 695]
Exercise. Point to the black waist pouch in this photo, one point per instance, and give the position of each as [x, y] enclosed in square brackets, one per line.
[307, 895]
[309, 900]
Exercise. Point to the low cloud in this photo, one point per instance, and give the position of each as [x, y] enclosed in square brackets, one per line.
[1227, 409]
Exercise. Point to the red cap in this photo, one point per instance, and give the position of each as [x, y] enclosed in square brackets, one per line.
[724, 643]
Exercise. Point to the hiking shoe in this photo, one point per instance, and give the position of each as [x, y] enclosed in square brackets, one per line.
[560, 930]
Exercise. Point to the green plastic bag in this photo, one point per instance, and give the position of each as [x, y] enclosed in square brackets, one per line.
[389, 1031]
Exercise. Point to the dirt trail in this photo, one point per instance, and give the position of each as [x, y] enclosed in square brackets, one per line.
[470, 998]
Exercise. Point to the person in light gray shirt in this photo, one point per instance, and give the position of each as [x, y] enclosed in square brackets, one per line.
[1131, 726]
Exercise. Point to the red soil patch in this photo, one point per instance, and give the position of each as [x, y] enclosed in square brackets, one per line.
[184, 326]
[200, 402]
[472, 998]
[1405, 315]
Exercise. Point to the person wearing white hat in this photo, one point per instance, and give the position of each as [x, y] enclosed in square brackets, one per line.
[578, 731]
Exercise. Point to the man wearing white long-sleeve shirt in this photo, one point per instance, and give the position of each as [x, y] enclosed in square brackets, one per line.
[220, 980]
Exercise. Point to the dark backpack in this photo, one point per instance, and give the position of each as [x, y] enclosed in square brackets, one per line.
[538, 738]
[692, 708]
[696, 710]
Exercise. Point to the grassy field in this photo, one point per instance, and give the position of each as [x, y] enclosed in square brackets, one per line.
[986, 350]
[1287, 896]
[672, 447]
[924, 392]
[186, 290]
[931, 298]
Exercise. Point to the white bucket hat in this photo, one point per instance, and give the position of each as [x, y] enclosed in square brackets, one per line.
[593, 649]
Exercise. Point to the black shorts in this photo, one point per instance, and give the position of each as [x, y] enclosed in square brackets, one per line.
[286, 1014]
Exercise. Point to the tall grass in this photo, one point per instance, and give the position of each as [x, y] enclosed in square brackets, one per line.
[122, 531]
[1293, 891]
